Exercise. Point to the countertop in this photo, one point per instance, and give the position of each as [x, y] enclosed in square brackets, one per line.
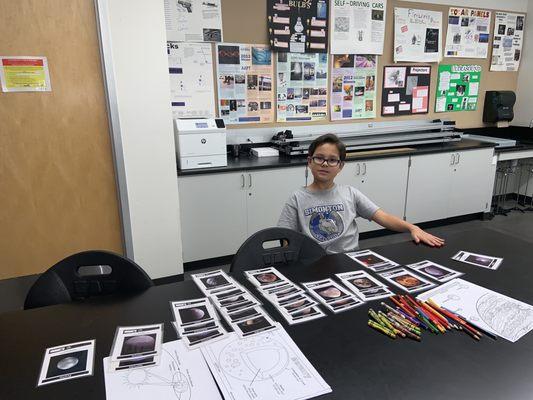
[247, 163]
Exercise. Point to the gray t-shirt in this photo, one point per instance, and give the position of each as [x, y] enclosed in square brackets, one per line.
[328, 216]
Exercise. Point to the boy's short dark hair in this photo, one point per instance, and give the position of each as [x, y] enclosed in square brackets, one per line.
[328, 138]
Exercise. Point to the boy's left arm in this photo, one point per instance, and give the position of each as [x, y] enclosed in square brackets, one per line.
[396, 224]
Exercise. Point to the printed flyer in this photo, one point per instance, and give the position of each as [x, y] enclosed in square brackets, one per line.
[298, 26]
[302, 86]
[405, 90]
[244, 74]
[507, 43]
[193, 20]
[353, 86]
[468, 33]
[458, 88]
[417, 35]
[357, 27]
[191, 80]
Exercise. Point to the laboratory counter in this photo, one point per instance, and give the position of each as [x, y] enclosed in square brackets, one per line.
[247, 163]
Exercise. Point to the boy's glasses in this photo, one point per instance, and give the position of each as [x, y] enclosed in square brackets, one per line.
[332, 162]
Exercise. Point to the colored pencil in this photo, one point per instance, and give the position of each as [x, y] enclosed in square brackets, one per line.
[381, 329]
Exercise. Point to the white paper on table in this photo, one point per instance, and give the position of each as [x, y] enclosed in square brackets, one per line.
[181, 374]
[263, 366]
[489, 310]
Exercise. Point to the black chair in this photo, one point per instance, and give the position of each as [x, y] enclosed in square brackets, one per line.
[291, 248]
[87, 274]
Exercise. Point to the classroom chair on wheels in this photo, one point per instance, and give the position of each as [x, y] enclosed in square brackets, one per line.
[87, 274]
[276, 247]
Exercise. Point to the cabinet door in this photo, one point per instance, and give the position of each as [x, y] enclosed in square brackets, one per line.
[267, 193]
[429, 187]
[384, 181]
[213, 214]
[472, 177]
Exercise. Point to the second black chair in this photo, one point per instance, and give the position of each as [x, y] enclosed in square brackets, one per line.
[288, 248]
[87, 274]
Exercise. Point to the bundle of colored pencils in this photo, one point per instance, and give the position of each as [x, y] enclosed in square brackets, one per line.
[410, 316]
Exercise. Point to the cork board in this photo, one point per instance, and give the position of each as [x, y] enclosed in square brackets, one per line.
[246, 22]
[58, 193]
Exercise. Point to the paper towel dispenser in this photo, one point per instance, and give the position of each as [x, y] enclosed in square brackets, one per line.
[499, 105]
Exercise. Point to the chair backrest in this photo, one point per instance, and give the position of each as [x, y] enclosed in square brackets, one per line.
[87, 274]
[291, 248]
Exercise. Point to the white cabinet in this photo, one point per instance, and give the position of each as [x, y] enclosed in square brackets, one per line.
[384, 181]
[445, 185]
[219, 211]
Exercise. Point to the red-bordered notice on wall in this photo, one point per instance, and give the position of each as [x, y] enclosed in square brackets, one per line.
[24, 74]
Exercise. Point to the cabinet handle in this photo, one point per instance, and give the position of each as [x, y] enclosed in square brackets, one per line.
[364, 170]
[250, 177]
[452, 161]
[358, 169]
[458, 158]
[242, 180]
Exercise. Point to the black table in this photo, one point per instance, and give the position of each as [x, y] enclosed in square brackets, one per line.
[358, 363]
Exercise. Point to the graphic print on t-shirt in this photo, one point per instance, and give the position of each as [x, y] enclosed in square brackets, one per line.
[325, 222]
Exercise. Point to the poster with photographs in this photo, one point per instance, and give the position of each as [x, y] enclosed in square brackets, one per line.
[357, 27]
[302, 86]
[193, 20]
[417, 35]
[405, 90]
[457, 88]
[298, 26]
[353, 86]
[468, 33]
[190, 67]
[245, 92]
[507, 43]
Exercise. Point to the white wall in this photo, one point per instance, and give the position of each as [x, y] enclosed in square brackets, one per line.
[133, 42]
[524, 93]
[508, 5]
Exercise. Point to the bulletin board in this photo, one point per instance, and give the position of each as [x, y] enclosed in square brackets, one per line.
[253, 29]
[58, 192]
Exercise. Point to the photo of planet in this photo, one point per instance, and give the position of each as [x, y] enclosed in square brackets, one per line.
[253, 324]
[303, 312]
[213, 281]
[138, 344]
[67, 364]
[331, 292]
[363, 283]
[370, 260]
[193, 314]
[296, 305]
[408, 281]
[433, 270]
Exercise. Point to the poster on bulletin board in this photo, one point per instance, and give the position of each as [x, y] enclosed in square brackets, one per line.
[25, 74]
[417, 35]
[457, 88]
[193, 20]
[468, 33]
[298, 26]
[353, 86]
[405, 90]
[507, 43]
[244, 75]
[302, 87]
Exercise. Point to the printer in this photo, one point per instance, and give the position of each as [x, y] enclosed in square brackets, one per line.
[201, 143]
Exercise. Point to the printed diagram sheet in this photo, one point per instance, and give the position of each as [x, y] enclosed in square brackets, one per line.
[507, 43]
[353, 86]
[191, 80]
[245, 91]
[489, 310]
[417, 35]
[181, 375]
[193, 20]
[457, 87]
[358, 27]
[264, 366]
[468, 33]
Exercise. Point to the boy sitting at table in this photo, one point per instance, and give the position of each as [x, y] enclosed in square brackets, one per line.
[326, 212]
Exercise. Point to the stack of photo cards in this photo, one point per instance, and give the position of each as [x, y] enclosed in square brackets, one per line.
[406, 280]
[240, 309]
[332, 295]
[196, 322]
[435, 271]
[364, 286]
[371, 260]
[136, 346]
[68, 361]
[289, 299]
[478, 259]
